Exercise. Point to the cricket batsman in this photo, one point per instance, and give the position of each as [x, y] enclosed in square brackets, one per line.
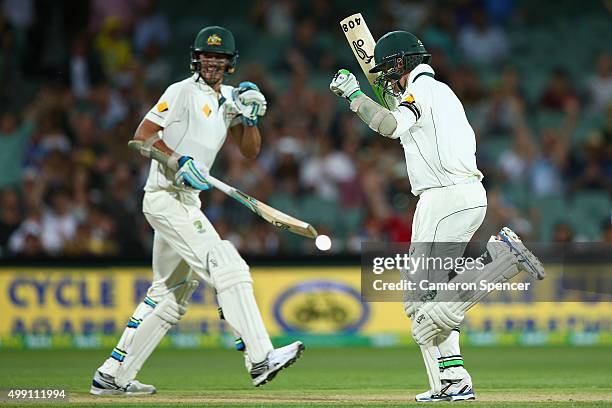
[439, 146]
[182, 134]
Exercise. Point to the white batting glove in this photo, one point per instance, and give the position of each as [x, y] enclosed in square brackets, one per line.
[249, 102]
[434, 318]
[192, 174]
[345, 84]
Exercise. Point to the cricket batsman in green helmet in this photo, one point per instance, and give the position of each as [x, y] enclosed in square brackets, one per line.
[428, 120]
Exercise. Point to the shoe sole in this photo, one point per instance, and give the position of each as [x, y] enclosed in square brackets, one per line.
[289, 362]
[445, 399]
[468, 396]
[115, 393]
[525, 256]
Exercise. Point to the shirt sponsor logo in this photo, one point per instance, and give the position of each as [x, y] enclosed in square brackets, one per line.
[199, 226]
[206, 109]
[162, 106]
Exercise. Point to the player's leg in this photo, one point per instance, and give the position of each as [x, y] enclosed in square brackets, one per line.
[442, 228]
[460, 227]
[234, 287]
[505, 257]
[170, 275]
[192, 236]
[453, 374]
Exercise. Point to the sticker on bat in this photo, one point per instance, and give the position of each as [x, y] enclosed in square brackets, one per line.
[361, 53]
[351, 24]
[280, 225]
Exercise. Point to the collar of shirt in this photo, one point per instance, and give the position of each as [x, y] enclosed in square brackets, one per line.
[202, 84]
[420, 69]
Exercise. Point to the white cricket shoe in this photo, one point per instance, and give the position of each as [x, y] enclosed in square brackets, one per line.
[528, 262]
[279, 358]
[104, 384]
[452, 390]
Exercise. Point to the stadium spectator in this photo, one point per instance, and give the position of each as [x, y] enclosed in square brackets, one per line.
[84, 69]
[20, 14]
[113, 45]
[483, 43]
[515, 161]
[121, 10]
[600, 85]
[151, 27]
[558, 92]
[14, 136]
[157, 69]
[563, 233]
[10, 216]
[607, 231]
[504, 108]
[590, 171]
[26, 239]
[274, 17]
[551, 160]
[411, 13]
[58, 223]
[328, 170]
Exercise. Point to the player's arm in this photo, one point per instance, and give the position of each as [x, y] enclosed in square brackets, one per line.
[388, 123]
[250, 104]
[247, 138]
[147, 141]
[150, 145]
[188, 172]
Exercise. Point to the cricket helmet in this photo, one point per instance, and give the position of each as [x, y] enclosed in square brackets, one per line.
[395, 54]
[214, 40]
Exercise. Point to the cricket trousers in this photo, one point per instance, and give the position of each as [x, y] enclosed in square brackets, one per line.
[182, 238]
[444, 222]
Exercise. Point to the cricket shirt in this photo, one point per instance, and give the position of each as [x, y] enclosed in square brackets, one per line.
[195, 119]
[439, 143]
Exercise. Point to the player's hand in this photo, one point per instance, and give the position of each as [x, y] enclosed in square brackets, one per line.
[192, 174]
[345, 84]
[434, 318]
[249, 102]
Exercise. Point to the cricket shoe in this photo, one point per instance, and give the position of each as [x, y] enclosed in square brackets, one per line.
[104, 384]
[452, 390]
[277, 359]
[528, 262]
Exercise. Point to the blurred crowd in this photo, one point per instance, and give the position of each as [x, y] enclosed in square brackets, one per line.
[77, 78]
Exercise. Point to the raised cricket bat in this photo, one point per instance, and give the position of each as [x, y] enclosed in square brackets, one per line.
[273, 216]
[362, 43]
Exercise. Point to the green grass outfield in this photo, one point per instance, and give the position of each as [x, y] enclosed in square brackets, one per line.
[503, 377]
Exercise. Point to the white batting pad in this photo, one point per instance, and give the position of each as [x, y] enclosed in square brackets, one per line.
[241, 312]
[430, 357]
[150, 332]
